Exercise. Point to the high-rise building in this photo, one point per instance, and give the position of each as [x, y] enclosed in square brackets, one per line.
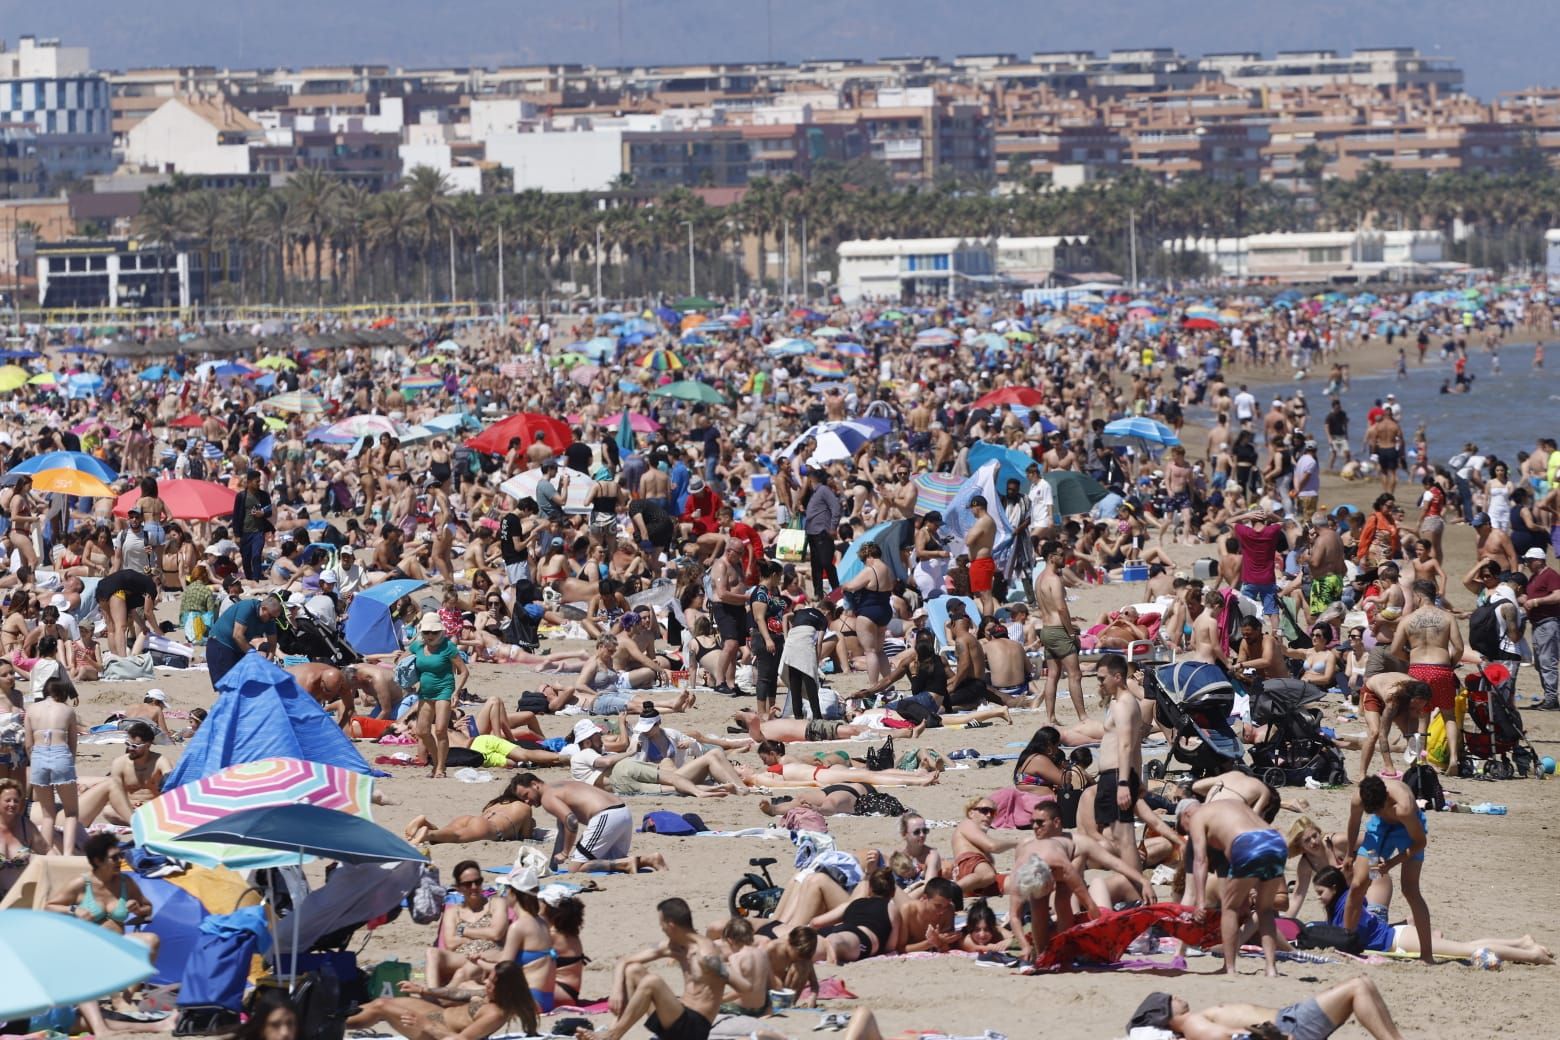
[53, 90]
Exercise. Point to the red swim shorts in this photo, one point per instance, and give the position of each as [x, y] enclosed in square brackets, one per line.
[982, 573]
[1442, 680]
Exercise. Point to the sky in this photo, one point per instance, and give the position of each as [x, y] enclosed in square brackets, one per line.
[1499, 47]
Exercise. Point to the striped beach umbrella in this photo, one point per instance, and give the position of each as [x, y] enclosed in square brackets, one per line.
[248, 785]
[661, 360]
[824, 367]
[934, 492]
[419, 384]
[296, 402]
[76, 460]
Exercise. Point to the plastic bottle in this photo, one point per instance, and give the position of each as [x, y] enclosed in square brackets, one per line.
[1488, 809]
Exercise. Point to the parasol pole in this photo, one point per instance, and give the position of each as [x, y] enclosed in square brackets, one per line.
[292, 983]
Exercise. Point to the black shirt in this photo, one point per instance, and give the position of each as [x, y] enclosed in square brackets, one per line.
[1337, 423]
[577, 457]
[510, 530]
[135, 585]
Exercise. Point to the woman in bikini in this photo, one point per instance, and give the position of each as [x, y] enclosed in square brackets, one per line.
[20, 841]
[105, 895]
[565, 916]
[506, 818]
[867, 926]
[1320, 660]
[475, 924]
[22, 516]
[429, 1013]
[154, 512]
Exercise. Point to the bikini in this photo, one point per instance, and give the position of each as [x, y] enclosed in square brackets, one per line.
[568, 962]
[867, 918]
[544, 998]
[119, 913]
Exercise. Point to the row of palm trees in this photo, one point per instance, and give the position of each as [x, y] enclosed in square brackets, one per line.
[321, 240]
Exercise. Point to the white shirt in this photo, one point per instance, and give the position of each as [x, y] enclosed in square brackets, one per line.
[348, 579]
[1042, 505]
[323, 609]
[1245, 405]
[582, 763]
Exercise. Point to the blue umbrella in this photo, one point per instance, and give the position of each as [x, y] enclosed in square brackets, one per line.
[668, 316]
[19, 355]
[79, 461]
[849, 349]
[602, 348]
[153, 374]
[1011, 463]
[266, 447]
[56, 960]
[228, 370]
[369, 627]
[83, 384]
[790, 348]
[84, 351]
[1140, 430]
[891, 537]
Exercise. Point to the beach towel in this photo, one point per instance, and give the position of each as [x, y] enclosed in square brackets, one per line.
[1015, 808]
[1104, 939]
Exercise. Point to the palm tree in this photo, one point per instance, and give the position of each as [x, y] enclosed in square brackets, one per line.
[203, 218]
[392, 225]
[428, 190]
[243, 219]
[312, 196]
[161, 221]
[277, 227]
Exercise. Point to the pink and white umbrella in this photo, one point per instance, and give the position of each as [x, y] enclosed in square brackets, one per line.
[636, 422]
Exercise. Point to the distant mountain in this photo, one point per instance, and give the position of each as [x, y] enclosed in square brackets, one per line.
[1499, 48]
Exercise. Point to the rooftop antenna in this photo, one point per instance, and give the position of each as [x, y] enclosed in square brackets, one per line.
[620, 56]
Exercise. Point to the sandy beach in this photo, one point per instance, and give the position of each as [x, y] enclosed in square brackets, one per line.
[1484, 875]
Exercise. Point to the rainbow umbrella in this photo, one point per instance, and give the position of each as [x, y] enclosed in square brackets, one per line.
[661, 360]
[248, 785]
[824, 367]
[71, 482]
[298, 402]
[934, 492]
[13, 377]
[417, 384]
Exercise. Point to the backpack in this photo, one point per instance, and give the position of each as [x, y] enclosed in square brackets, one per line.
[1426, 785]
[427, 899]
[195, 465]
[1322, 936]
[1484, 632]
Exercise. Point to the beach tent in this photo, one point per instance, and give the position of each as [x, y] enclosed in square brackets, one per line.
[180, 902]
[369, 627]
[262, 712]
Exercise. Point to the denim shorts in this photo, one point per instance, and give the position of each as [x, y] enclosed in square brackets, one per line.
[52, 765]
[612, 702]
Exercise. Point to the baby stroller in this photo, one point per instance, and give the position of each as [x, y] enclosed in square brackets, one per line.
[1194, 700]
[1294, 747]
[1496, 737]
[299, 633]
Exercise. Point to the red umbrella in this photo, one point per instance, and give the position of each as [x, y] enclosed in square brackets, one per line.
[495, 439]
[1024, 396]
[1104, 939]
[1200, 324]
[185, 499]
[189, 422]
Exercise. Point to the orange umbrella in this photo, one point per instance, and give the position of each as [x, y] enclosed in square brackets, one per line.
[71, 482]
[185, 499]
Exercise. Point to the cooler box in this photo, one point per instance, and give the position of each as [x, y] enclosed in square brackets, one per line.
[1134, 572]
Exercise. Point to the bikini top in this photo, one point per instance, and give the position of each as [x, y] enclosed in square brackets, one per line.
[21, 857]
[531, 956]
[119, 913]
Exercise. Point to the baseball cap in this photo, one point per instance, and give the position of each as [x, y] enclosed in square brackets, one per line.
[430, 622]
[584, 730]
[328, 576]
[157, 695]
[526, 880]
[1480, 519]
[1152, 1013]
[1535, 553]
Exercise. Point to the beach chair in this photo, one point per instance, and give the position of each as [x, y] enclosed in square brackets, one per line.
[937, 618]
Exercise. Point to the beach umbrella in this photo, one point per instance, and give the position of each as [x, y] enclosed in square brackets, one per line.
[690, 390]
[51, 960]
[1148, 433]
[449, 422]
[990, 341]
[576, 498]
[525, 425]
[790, 348]
[1104, 939]
[1012, 463]
[625, 433]
[153, 374]
[1024, 336]
[411, 386]
[829, 332]
[355, 427]
[937, 337]
[602, 348]
[661, 360]
[323, 435]
[934, 492]
[295, 402]
[1019, 395]
[265, 447]
[890, 537]
[846, 348]
[369, 627]
[1074, 492]
[581, 375]
[76, 460]
[160, 823]
[276, 361]
[568, 359]
[230, 370]
[637, 422]
[824, 368]
[693, 339]
[71, 482]
[185, 499]
[1200, 324]
[13, 377]
[19, 355]
[837, 441]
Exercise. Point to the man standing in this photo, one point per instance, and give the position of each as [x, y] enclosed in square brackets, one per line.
[1306, 480]
[1327, 564]
[1058, 634]
[730, 611]
[1467, 468]
[820, 520]
[552, 491]
[1336, 423]
[252, 522]
[1434, 645]
[1245, 407]
[1385, 440]
[979, 540]
[1254, 856]
[1258, 533]
[1042, 504]
[1395, 835]
[638, 992]
[1542, 604]
[249, 624]
[1120, 757]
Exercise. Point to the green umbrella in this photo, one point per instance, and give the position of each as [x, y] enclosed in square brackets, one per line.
[1075, 492]
[690, 390]
[694, 303]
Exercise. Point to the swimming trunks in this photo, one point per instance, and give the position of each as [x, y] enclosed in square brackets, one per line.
[1326, 589]
[690, 1025]
[1442, 680]
[1259, 855]
[606, 836]
[970, 862]
[822, 729]
[1384, 839]
[1106, 812]
[1059, 643]
[983, 573]
[494, 750]
[1305, 1021]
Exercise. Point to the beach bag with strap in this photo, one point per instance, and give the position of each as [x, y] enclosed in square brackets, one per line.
[883, 757]
[1484, 632]
[1426, 785]
[791, 545]
[878, 803]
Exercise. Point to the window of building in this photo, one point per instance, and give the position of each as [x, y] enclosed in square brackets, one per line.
[1325, 255]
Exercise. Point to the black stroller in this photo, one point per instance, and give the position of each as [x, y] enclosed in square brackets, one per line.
[1194, 700]
[300, 634]
[1291, 746]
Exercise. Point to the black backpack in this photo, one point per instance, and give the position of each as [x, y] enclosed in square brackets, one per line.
[195, 464]
[1423, 780]
[1484, 632]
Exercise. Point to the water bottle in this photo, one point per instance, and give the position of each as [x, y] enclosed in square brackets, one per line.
[1488, 809]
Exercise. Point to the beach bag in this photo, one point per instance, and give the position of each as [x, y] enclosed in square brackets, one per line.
[672, 824]
[427, 899]
[1438, 750]
[322, 1013]
[1322, 936]
[877, 803]
[883, 757]
[1426, 785]
[127, 668]
[406, 673]
[791, 545]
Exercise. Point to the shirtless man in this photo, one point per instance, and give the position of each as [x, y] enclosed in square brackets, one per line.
[1007, 669]
[1390, 699]
[1253, 857]
[1178, 485]
[730, 612]
[1121, 630]
[637, 992]
[151, 709]
[1385, 441]
[975, 848]
[1494, 545]
[1205, 630]
[1120, 756]
[1054, 847]
[1327, 563]
[1425, 567]
[791, 731]
[1058, 633]
[329, 685]
[594, 828]
[902, 493]
[1395, 835]
[967, 684]
[1314, 1019]
[134, 779]
[983, 569]
[1434, 645]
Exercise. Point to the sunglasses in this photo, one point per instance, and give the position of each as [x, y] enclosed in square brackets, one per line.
[986, 810]
[133, 746]
[920, 832]
[468, 883]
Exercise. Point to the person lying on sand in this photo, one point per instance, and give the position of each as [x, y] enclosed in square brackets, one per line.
[1315, 1018]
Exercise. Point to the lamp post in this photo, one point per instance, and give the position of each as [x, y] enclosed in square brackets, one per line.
[689, 225]
[598, 268]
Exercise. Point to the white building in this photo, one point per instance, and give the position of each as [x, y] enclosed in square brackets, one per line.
[1552, 253]
[1036, 259]
[53, 90]
[1321, 256]
[193, 135]
[463, 179]
[587, 160]
[899, 268]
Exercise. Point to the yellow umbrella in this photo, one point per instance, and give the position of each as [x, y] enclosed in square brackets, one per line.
[273, 423]
[71, 482]
[12, 377]
[44, 379]
[276, 361]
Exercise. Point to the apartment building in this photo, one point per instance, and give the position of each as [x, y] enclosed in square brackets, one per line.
[52, 90]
